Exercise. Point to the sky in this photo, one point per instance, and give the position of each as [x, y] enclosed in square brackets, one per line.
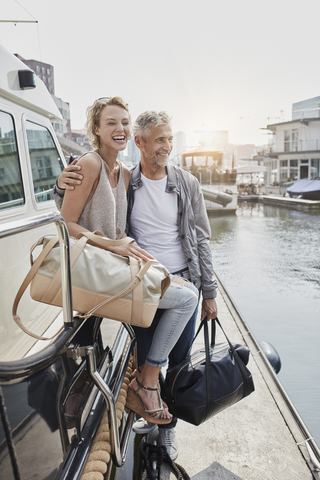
[221, 65]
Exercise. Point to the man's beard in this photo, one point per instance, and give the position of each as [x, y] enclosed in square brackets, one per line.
[158, 161]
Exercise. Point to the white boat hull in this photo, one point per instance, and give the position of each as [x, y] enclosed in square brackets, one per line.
[216, 208]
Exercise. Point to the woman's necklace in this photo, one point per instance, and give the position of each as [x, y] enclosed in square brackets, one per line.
[108, 171]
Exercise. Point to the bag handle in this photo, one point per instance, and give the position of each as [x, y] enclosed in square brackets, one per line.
[205, 320]
[234, 353]
[204, 325]
[103, 241]
[213, 332]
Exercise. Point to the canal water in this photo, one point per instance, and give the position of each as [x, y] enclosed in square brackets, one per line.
[268, 258]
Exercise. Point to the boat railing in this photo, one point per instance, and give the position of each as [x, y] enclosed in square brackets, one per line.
[14, 369]
[211, 176]
[12, 203]
[118, 452]
[290, 147]
[20, 226]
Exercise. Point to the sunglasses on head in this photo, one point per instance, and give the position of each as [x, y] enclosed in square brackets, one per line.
[103, 99]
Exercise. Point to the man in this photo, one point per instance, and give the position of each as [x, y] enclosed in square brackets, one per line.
[167, 217]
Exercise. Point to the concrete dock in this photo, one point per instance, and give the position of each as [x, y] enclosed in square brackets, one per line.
[301, 204]
[255, 439]
[292, 203]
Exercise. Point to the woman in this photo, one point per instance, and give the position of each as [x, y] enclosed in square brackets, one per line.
[99, 203]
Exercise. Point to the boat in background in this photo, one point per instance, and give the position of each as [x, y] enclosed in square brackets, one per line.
[249, 191]
[306, 189]
[217, 183]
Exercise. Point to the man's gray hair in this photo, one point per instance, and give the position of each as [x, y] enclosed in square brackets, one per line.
[149, 119]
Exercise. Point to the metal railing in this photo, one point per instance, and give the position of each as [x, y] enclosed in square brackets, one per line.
[291, 147]
[20, 226]
[12, 203]
[118, 452]
[118, 449]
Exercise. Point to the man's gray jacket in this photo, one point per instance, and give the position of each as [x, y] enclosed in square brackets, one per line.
[194, 227]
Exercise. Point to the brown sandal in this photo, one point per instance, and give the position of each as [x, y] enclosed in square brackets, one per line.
[135, 403]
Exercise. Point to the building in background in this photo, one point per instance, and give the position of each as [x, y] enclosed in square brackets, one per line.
[306, 109]
[63, 129]
[233, 155]
[80, 138]
[179, 145]
[131, 155]
[293, 152]
[42, 70]
[245, 152]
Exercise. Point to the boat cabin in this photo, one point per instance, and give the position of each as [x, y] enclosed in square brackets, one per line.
[207, 166]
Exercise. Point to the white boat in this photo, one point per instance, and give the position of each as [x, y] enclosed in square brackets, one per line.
[249, 191]
[30, 160]
[43, 433]
[217, 183]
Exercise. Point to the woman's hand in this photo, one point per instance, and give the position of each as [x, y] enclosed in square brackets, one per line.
[132, 250]
[69, 177]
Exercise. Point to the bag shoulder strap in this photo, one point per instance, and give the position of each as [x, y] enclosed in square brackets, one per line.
[26, 282]
[103, 241]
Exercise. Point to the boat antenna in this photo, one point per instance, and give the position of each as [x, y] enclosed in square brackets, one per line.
[34, 20]
[21, 21]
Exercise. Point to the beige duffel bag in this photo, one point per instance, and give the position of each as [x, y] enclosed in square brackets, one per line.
[103, 283]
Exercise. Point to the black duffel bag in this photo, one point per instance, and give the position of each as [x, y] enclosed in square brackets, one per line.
[209, 380]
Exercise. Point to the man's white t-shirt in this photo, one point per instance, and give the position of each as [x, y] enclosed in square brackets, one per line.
[154, 223]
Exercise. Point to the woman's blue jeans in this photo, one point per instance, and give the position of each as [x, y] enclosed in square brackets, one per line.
[177, 305]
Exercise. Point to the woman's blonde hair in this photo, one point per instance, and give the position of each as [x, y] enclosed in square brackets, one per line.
[94, 114]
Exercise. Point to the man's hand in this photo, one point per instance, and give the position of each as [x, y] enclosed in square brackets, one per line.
[209, 308]
[69, 177]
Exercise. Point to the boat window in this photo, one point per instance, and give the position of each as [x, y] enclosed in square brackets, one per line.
[11, 188]
[200, 161]
[188, 161]
[45, 161]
